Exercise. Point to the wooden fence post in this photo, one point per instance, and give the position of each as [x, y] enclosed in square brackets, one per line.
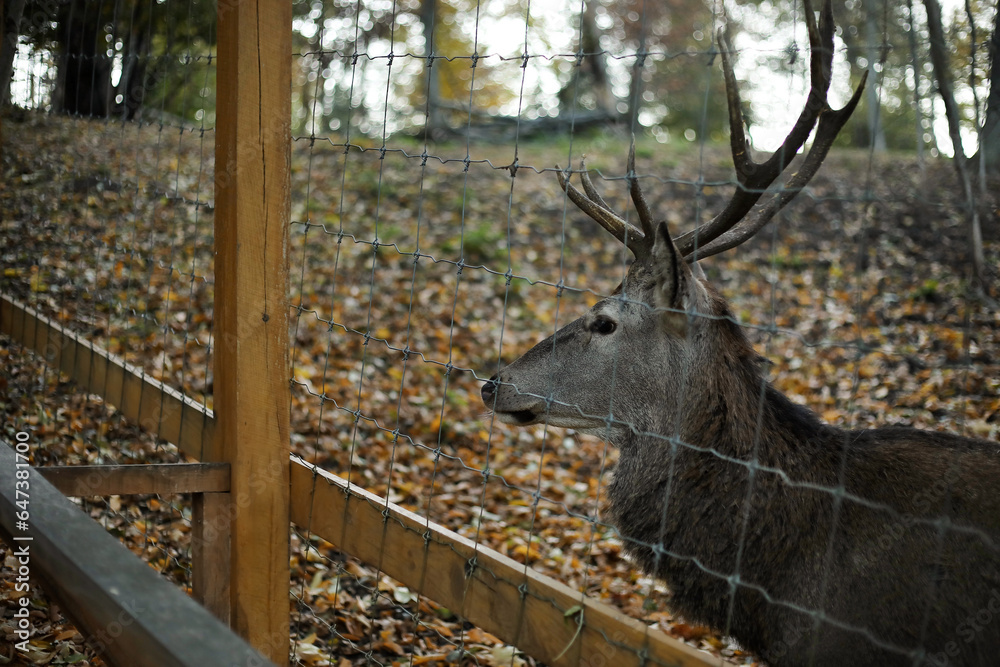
[252, 394]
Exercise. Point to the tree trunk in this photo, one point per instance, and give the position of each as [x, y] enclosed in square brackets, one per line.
[595, 63]
[84, 74]
[10, 23]
[876, 133]
[915, 64]
[434, 122]
[592, 73]
[133, 83]
[635, 84]
[989, 138]
[939, 60]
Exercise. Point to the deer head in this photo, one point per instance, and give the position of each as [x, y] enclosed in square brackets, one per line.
[729, 492]
[627, 364]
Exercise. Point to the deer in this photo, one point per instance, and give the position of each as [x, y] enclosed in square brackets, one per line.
[807, 543]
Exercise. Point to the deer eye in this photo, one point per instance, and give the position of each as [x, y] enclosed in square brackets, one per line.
[603, 325]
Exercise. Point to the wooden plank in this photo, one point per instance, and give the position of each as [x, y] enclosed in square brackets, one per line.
[194, 423]
[135, 478]
[158, 408]
[251, 378]
[210, 553]
[126, 610]
[480, 584]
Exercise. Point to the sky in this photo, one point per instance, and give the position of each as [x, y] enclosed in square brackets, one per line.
[505, 34]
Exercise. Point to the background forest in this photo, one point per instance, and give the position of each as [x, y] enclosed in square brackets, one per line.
[491, 63]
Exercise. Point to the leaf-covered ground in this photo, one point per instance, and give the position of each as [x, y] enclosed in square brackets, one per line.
[413, 271]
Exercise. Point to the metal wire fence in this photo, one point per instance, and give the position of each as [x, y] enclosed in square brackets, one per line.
[430, 244]
[477, 242]
[107, 214]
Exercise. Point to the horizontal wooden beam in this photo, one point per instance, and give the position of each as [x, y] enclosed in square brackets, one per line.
[481, 584]
[124, 609]
[544, 618]
[136, 478]
[159, 409]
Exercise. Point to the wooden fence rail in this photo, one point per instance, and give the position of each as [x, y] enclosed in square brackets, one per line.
[156, 407]
[541, 616]
[536, 613]
[125, 610]
[137, 478]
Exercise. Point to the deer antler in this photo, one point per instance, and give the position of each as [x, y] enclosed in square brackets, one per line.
[733, 225]
[639, 241]
[738, 221]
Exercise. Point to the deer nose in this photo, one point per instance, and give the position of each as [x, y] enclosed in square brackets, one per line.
[489, 391]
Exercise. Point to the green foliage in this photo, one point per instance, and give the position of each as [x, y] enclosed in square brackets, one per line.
[183, 80]
[115, 59]
[479, 243]
[928, 290]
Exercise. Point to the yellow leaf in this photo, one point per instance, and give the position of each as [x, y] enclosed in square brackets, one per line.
[37, 283]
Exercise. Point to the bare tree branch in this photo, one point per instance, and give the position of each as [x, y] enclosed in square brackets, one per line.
[943, 74]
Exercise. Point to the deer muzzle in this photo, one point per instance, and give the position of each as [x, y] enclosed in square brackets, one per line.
[510, 405]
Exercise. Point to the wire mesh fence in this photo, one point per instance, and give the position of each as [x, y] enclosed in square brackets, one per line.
[107, 231]
[431, 244]
[428, 261]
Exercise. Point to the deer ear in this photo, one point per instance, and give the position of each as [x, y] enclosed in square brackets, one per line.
[673, 281]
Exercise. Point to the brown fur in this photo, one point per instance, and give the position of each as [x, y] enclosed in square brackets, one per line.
[808, 543]
[872, 569]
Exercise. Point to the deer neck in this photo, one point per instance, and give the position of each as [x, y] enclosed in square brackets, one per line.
[686, 487]
[729, 407]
